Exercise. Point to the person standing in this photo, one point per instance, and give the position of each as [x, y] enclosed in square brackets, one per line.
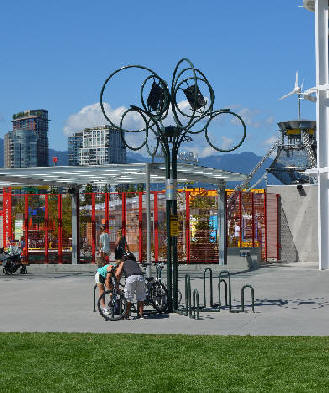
[104, 242]
[135, 283]
[121, 246]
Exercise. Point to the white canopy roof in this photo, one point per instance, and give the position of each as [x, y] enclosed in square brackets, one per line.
[112, 174]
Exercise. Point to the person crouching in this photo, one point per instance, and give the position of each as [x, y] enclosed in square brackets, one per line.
[103, 280]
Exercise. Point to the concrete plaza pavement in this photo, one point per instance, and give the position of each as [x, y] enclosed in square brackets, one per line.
[291, 299]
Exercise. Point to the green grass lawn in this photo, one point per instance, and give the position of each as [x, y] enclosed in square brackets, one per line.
[63, 362]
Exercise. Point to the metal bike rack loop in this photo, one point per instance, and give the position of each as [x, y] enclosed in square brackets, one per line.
[211, 297]
[222, 280]
[225, 274]
[196, 304]
[252, 292]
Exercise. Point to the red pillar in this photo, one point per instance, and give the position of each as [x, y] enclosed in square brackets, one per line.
[277, 227]
[107, 214]
[10, 232]
[60, 228]
[240, 214]
[140, 226]
[93, 228]
[46, 228]
[5, 218]
[226, 219]
[265, 226]
[26, 228]
[253, 219]
[123, 214]
[156, 226]
[187, 226]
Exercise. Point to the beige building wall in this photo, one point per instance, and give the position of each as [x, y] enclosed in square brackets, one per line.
[298, 233]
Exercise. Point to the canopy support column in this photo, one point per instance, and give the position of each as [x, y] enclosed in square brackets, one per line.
[75, 228]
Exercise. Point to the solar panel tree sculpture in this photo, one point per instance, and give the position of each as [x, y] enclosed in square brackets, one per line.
[172, 114]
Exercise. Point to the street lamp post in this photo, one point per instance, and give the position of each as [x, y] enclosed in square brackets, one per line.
[162, 104]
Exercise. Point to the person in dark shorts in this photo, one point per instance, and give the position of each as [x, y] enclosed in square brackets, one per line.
[135, 283]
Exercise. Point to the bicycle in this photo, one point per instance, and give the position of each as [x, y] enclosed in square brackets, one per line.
[114, 301]
[12, 261]
[156, 295]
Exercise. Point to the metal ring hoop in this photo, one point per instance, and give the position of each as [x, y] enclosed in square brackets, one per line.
[122, 131]
[221, 112]
[107, 81]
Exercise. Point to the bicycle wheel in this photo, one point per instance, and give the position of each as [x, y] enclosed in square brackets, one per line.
[159, 296]
[115, 305]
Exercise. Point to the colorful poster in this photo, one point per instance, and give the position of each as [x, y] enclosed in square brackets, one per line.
[213, 226]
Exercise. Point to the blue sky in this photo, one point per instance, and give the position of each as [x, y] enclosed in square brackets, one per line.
[56, 55]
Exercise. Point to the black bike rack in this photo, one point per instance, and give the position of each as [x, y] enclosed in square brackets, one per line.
[192, 311]
[196, 304]
[252, 293]
[221, 278]
[224, 279]
[211, 295]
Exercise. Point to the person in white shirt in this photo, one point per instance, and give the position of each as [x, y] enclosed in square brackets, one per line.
[237, 233]
[104, 243]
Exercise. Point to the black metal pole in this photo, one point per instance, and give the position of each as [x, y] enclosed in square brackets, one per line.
[168, 213]
[174, 239]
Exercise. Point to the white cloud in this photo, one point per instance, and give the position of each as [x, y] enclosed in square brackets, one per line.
[253, 117]
[226, 142]
[92, 116]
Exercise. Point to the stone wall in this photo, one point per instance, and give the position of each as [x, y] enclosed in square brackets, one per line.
[298, 234]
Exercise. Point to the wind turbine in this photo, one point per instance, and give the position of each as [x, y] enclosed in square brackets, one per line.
[296, 90]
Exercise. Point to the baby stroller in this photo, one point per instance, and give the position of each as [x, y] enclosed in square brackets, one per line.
[12, 260]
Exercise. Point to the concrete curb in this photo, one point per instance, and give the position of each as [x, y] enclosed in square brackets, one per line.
[91, 268]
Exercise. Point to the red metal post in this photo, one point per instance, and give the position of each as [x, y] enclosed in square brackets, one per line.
[10, 232]
[107, 215]
[4, 218]
[46, 228]
[265, 226]
[277, 227]
[93, 228]
[226, 220]
[156, 226]
[123, 215]
[240, 218]
[26, 228]
[60, 228]
[187, 226]
[140, 226]
[253, 219]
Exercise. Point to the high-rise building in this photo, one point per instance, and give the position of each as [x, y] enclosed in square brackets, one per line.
[96, 146]
[27, 144]
[74, 145]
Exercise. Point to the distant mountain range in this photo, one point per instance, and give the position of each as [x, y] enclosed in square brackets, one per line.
[235, 162]
[243, 162]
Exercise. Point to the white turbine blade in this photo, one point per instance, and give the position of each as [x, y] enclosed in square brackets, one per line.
[296, 82]
[301, 86]
[287, 95]
[310, 91]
